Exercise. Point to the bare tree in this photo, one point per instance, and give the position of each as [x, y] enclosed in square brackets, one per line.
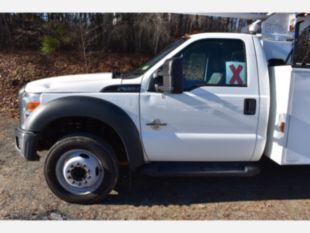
[119, 32]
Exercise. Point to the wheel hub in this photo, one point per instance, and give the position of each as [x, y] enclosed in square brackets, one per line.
[79, 171]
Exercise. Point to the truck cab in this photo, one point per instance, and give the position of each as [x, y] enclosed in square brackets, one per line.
[220, 110]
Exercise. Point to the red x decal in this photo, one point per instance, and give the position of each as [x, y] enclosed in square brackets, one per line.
[236, 74]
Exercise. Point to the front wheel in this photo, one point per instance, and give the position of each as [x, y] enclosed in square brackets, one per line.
[81, 169]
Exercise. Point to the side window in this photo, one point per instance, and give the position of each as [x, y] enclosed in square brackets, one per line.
[302, 49]
[214, 62]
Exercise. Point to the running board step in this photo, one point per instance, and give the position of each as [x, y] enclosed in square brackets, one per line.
[200, 169]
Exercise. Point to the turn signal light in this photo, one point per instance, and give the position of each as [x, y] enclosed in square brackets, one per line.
[282, 127]
[32, 105]
[186, 36]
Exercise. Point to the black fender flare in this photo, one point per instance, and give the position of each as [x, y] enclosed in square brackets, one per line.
[102, 110]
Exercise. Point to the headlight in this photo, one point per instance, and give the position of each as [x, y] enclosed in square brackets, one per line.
[28, 103]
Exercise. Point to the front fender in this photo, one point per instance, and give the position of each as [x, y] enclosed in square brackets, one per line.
[82, 106]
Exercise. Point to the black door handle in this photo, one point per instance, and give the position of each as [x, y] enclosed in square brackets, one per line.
[249, 107]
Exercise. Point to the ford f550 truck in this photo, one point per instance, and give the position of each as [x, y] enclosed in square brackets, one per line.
[209, 104]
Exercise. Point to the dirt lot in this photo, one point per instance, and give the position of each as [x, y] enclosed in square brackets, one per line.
[278, 193]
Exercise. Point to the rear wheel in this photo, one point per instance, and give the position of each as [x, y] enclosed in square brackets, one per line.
[81, 169]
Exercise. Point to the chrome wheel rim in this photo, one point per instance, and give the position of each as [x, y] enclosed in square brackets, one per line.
[79, 171]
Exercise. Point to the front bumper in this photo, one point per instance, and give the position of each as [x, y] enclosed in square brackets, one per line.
[26, 144]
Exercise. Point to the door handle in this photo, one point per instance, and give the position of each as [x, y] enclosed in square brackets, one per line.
[156, 124]
[249, 107]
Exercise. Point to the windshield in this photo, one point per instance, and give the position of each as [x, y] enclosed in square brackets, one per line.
[158, 57]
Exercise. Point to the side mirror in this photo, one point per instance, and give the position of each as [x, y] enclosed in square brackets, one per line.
[172, 76]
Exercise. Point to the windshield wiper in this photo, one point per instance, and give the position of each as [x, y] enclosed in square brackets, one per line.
[116, 74]
[131, 74]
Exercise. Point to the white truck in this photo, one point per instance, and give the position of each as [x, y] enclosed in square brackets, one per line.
[209, 104]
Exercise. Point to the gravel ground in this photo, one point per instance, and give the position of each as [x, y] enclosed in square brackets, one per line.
[277, 193]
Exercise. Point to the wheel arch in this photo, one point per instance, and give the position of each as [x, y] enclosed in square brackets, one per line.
[94, 108]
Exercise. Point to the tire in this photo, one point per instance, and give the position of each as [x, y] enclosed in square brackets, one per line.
[81, 169]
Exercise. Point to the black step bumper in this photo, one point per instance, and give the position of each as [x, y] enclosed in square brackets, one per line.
[26, 144]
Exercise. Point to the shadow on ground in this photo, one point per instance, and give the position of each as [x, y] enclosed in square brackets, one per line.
[273, 183]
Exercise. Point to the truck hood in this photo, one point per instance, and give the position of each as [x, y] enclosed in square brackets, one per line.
[73, 83]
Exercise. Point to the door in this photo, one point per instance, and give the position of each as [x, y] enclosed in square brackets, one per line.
[215, 118]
